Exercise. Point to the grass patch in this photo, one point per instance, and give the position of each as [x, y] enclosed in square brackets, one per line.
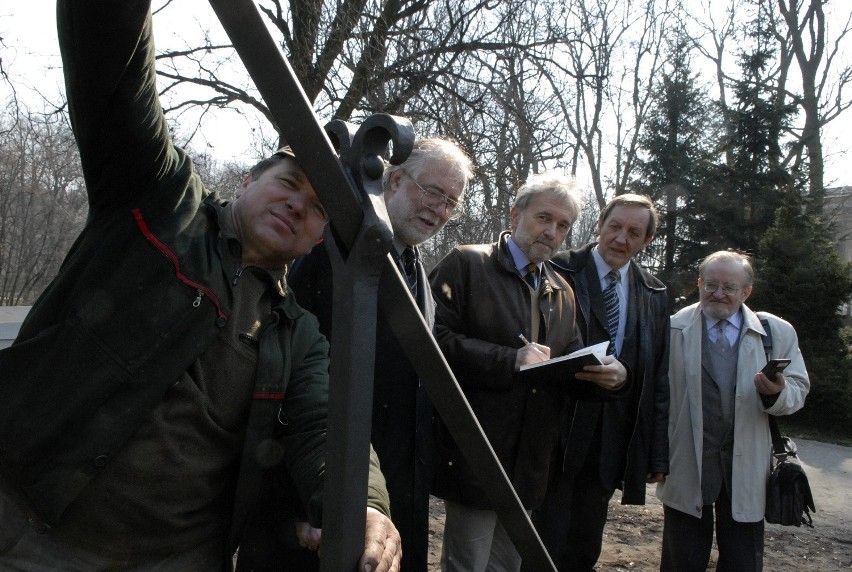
[797, 432]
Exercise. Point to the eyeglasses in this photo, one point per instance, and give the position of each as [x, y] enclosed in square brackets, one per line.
[727, 289]
[434, 199]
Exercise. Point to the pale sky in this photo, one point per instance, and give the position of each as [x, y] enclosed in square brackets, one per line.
[30, 57]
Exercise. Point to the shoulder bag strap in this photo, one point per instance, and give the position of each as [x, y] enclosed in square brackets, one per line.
[777, 443]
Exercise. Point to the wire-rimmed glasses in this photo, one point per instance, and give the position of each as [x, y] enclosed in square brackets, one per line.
[433, 198]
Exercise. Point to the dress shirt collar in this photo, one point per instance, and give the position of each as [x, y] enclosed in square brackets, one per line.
[732, 334]
[519, 258]
[603, 269]
[736, 320]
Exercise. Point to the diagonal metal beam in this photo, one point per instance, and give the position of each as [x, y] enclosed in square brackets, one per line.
[336, 187]
[294, 115]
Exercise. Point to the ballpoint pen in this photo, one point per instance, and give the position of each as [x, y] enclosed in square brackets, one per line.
[523, 338]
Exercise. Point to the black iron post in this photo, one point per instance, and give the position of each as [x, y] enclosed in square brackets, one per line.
[295, 117]
[357, 268]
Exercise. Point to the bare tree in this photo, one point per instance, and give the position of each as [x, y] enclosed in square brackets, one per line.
[802, 35]
[502, 114]
[602, 79]
[642, 60]
[4, 74]
[823, 96]
[352, 57]
[224, 178]
[717, 29]
[42, 202]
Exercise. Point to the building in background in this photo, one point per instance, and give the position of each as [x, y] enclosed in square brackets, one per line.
[10, 322]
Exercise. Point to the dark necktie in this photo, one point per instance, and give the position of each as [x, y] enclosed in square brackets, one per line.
[611, 308]
[532, 270]
[409, 268]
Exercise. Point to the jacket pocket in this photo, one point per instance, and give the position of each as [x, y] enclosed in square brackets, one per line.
[40, 388]
[13, 520]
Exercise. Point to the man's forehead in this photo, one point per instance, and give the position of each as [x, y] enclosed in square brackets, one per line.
[547, 202]
[289, 166]
[451, 175]
[725, 269]
[622, 212]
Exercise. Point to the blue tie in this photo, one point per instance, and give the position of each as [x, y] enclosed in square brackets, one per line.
[611, 308]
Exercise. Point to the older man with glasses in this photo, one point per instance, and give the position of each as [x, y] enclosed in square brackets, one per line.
[719, 443]
[421, 195]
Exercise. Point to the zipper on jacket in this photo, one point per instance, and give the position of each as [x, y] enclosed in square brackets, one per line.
[237, 274]
[172, 257]
[282, 426]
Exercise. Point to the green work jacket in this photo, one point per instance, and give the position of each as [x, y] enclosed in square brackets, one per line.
[142, 293]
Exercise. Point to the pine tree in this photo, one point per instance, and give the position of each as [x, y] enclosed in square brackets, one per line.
[677, 149]
[799, 276]
[766, 210]
[751, 187]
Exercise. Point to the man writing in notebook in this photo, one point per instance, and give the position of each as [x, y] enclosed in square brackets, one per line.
[620, 443]
[486, 295]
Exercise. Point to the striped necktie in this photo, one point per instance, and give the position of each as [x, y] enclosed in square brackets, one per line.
[409, 268]
[611, 308]
[532, 270]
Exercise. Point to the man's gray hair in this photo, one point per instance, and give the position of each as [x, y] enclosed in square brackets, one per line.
[730, 257]
[433, 149]
[553, 183]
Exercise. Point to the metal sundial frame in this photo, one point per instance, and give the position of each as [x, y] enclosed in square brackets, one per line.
[349, 186]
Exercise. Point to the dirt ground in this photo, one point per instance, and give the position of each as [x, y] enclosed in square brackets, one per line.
[633, 534]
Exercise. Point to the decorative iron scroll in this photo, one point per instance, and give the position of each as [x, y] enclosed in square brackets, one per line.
[349, 187]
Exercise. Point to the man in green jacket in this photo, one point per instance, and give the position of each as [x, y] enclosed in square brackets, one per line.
[166, 375]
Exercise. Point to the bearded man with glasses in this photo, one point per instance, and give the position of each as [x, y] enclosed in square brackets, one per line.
[421, 195]
[719, 442]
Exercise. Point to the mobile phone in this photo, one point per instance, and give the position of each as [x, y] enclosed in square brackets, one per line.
[774, 366]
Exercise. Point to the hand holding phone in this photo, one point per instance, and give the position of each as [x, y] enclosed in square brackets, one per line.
[774, 366]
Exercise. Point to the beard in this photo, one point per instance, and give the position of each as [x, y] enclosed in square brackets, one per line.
[540, 251]
[718, 311]
[413, 234]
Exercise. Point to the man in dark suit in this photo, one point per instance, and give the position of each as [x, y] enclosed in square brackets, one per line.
[421, 195]
[621, 443]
